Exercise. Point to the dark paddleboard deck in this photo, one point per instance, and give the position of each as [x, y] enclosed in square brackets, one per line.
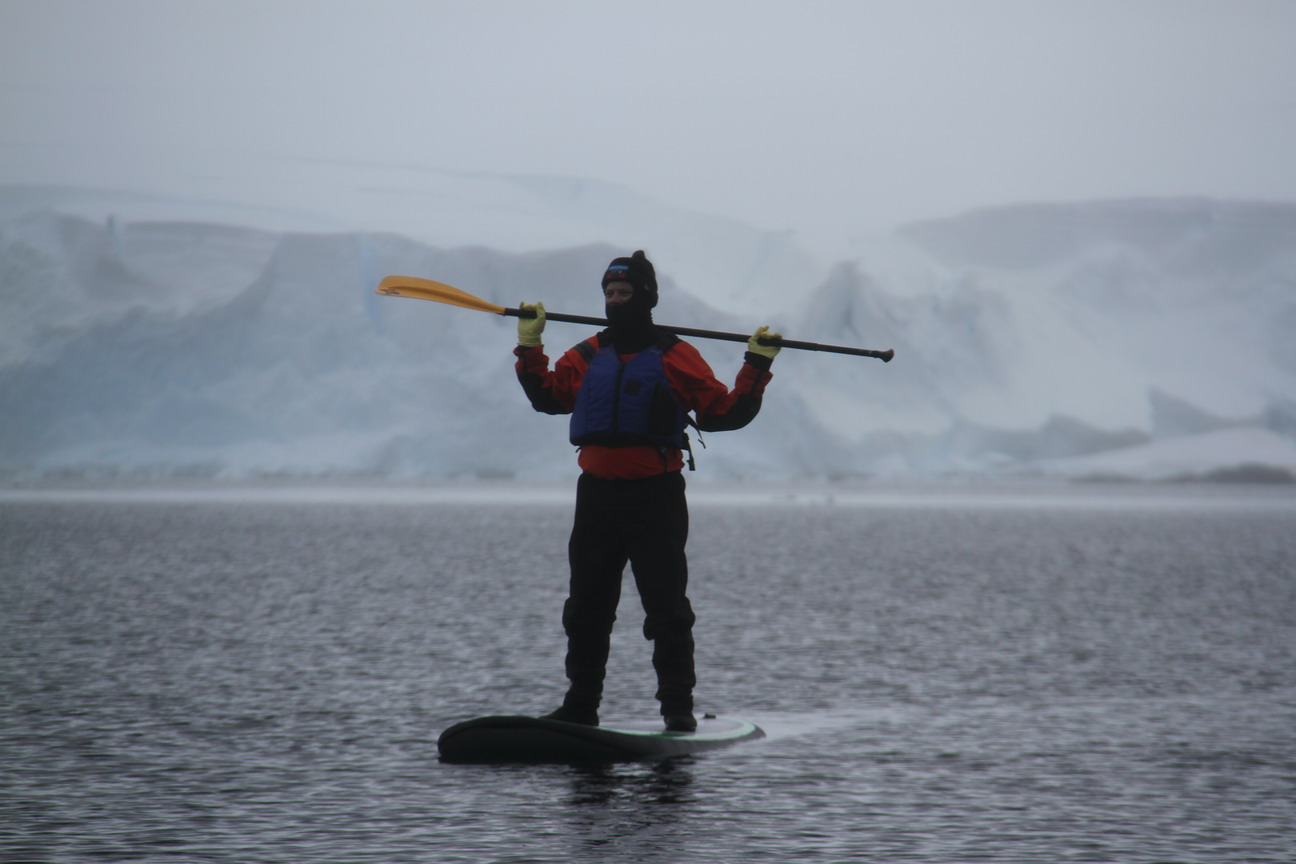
[508, 738]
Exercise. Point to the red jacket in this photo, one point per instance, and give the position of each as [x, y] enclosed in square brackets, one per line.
[714, 406]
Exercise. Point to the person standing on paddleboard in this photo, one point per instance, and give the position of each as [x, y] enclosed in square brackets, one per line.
[629, 390]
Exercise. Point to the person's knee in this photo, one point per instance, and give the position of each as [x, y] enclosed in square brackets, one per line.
[587, 619]
[672, 623]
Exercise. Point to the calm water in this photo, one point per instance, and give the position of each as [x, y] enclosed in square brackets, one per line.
[1032, 677]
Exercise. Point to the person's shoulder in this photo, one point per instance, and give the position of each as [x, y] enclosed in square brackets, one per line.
[682, 350]
[591, 344]
[686, 358]
[587, 348]
[674, 346]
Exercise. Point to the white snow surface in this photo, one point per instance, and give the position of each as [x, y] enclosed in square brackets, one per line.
[144, 337]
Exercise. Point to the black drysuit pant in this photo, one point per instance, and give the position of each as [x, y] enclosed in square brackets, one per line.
[644, 522]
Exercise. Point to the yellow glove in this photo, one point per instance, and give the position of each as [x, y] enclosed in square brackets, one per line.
[529, 329]
[754, 345]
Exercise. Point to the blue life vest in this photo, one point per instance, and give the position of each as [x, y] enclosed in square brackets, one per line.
[626, 404]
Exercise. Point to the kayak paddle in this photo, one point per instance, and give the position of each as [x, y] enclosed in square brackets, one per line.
[425, 289]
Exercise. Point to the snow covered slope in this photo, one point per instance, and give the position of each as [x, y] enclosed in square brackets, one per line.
[1133, 338]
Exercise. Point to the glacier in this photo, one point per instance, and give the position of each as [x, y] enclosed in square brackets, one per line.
[144, 338]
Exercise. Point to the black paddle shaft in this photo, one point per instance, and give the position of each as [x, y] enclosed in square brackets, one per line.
[884, 356]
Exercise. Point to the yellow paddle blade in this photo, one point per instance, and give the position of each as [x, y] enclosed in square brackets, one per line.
[426, 289]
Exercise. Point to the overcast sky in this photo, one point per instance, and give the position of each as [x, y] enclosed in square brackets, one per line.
[806, 115]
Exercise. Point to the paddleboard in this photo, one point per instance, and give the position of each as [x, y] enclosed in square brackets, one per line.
[515, 738]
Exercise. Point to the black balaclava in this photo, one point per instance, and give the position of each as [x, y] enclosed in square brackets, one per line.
[630, 324]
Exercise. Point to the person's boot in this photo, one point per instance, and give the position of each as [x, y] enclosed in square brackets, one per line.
[586, 665]
[573, 714]
[680, 720]
[673, 660]
[579, 706]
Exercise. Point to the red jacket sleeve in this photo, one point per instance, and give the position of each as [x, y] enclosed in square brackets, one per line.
[552, 391]
[715, 406]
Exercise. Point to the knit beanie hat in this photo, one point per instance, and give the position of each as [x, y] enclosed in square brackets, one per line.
[638, 271]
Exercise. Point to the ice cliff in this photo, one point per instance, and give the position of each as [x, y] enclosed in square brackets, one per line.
[1134, 338]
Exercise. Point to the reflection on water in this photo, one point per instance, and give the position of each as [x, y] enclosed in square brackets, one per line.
[665, 783]
[619, 810]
